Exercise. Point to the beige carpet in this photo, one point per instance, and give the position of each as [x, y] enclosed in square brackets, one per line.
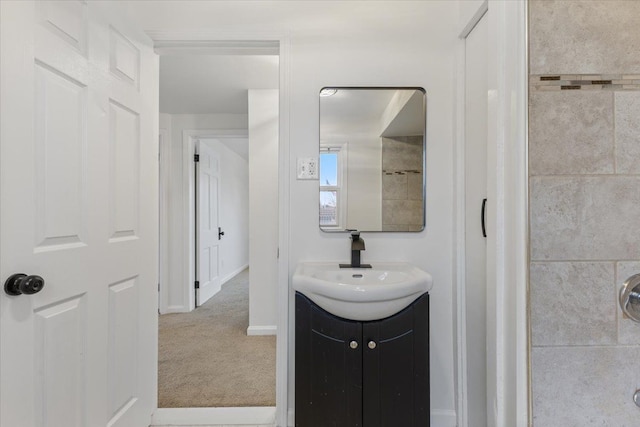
[206, 358]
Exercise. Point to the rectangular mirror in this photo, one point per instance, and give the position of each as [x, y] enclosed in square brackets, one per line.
[372, 159]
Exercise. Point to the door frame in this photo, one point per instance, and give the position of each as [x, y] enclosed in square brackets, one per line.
[189, 187]
[191, 41]
[163, 202]
[508, 376]
[461, 242]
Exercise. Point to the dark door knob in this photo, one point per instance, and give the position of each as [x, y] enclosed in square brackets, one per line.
[19, 284]
[220, 233]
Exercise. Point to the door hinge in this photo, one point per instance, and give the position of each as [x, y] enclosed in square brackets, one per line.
[278, 254]
[197, 284]
[196, 157]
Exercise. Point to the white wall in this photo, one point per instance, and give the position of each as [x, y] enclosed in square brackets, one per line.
[165, 121]
[233, 208]
[263, 211]
[164, 201]
[466, 10]
[178, 297]
[364, 185]
[382, 43]
[418, 50]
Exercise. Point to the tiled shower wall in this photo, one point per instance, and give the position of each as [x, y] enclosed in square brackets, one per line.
[402, 178]
[584, 182]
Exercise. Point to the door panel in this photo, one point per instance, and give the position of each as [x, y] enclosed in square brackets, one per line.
[60, 340]
[476, 118]
[78, 153]
[207, 239]
[124, 58]
[67, 20]
[124, 173]
[60, 149]
[396, 370]
[328, 368]
[123, 336]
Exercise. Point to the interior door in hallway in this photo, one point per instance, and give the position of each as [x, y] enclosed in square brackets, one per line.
[78, 191]
[476, 117]
[208, 233]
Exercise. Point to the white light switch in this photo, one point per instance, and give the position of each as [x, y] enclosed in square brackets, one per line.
[308, 168]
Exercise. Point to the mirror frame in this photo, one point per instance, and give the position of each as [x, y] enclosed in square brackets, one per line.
[424, 153]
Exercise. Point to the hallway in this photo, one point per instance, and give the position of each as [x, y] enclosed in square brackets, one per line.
[206, 358]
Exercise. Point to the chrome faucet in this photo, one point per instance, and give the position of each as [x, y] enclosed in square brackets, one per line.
[357, 245]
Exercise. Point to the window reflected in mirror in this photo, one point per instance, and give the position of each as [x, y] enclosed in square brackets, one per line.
[330, 187]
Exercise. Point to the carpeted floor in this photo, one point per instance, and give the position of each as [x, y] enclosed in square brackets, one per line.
[206, 359]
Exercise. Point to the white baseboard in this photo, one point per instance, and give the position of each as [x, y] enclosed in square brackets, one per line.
[214, 416]
[206, 293]
[262, 330]
[176, 309]
[233, 274]
[443, 418]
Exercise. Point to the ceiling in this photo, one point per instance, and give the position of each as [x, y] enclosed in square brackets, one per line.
[350, 109]
[362, 112]
[213, 84]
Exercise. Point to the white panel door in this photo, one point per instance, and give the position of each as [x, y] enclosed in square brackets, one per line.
[78, 191]
[476, 117]
[207, 232]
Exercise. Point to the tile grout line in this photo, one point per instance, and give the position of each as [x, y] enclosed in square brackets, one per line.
[586, 346]
[587, 175]
[615, 142]
[615, 301]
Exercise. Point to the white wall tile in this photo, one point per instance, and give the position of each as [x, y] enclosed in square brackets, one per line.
[572, 303]
[571, 132]
[585, 386]
[627, 134]
[628, 330]
[581, 37]
[585, 218]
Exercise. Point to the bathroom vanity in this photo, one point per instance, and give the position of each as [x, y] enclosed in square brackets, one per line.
[361, 346]
[354, 373]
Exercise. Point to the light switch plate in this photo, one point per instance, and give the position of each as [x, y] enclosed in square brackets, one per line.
[307, 168]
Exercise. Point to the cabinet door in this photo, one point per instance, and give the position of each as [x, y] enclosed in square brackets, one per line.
[396, 368]
[328, 371]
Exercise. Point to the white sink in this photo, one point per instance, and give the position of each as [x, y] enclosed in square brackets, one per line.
[361, 293]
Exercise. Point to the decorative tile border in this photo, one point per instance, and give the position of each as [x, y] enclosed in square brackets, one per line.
[550, 82]
[400, 171]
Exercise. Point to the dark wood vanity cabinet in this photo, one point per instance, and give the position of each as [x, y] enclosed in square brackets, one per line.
[362, 374]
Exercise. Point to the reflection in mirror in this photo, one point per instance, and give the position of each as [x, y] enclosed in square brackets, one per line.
[372, 158]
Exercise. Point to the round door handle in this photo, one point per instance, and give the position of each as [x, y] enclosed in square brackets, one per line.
[372, 345]
[353, 344]
[18, 284]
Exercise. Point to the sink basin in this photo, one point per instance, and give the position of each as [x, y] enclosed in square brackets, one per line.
[361, 294]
